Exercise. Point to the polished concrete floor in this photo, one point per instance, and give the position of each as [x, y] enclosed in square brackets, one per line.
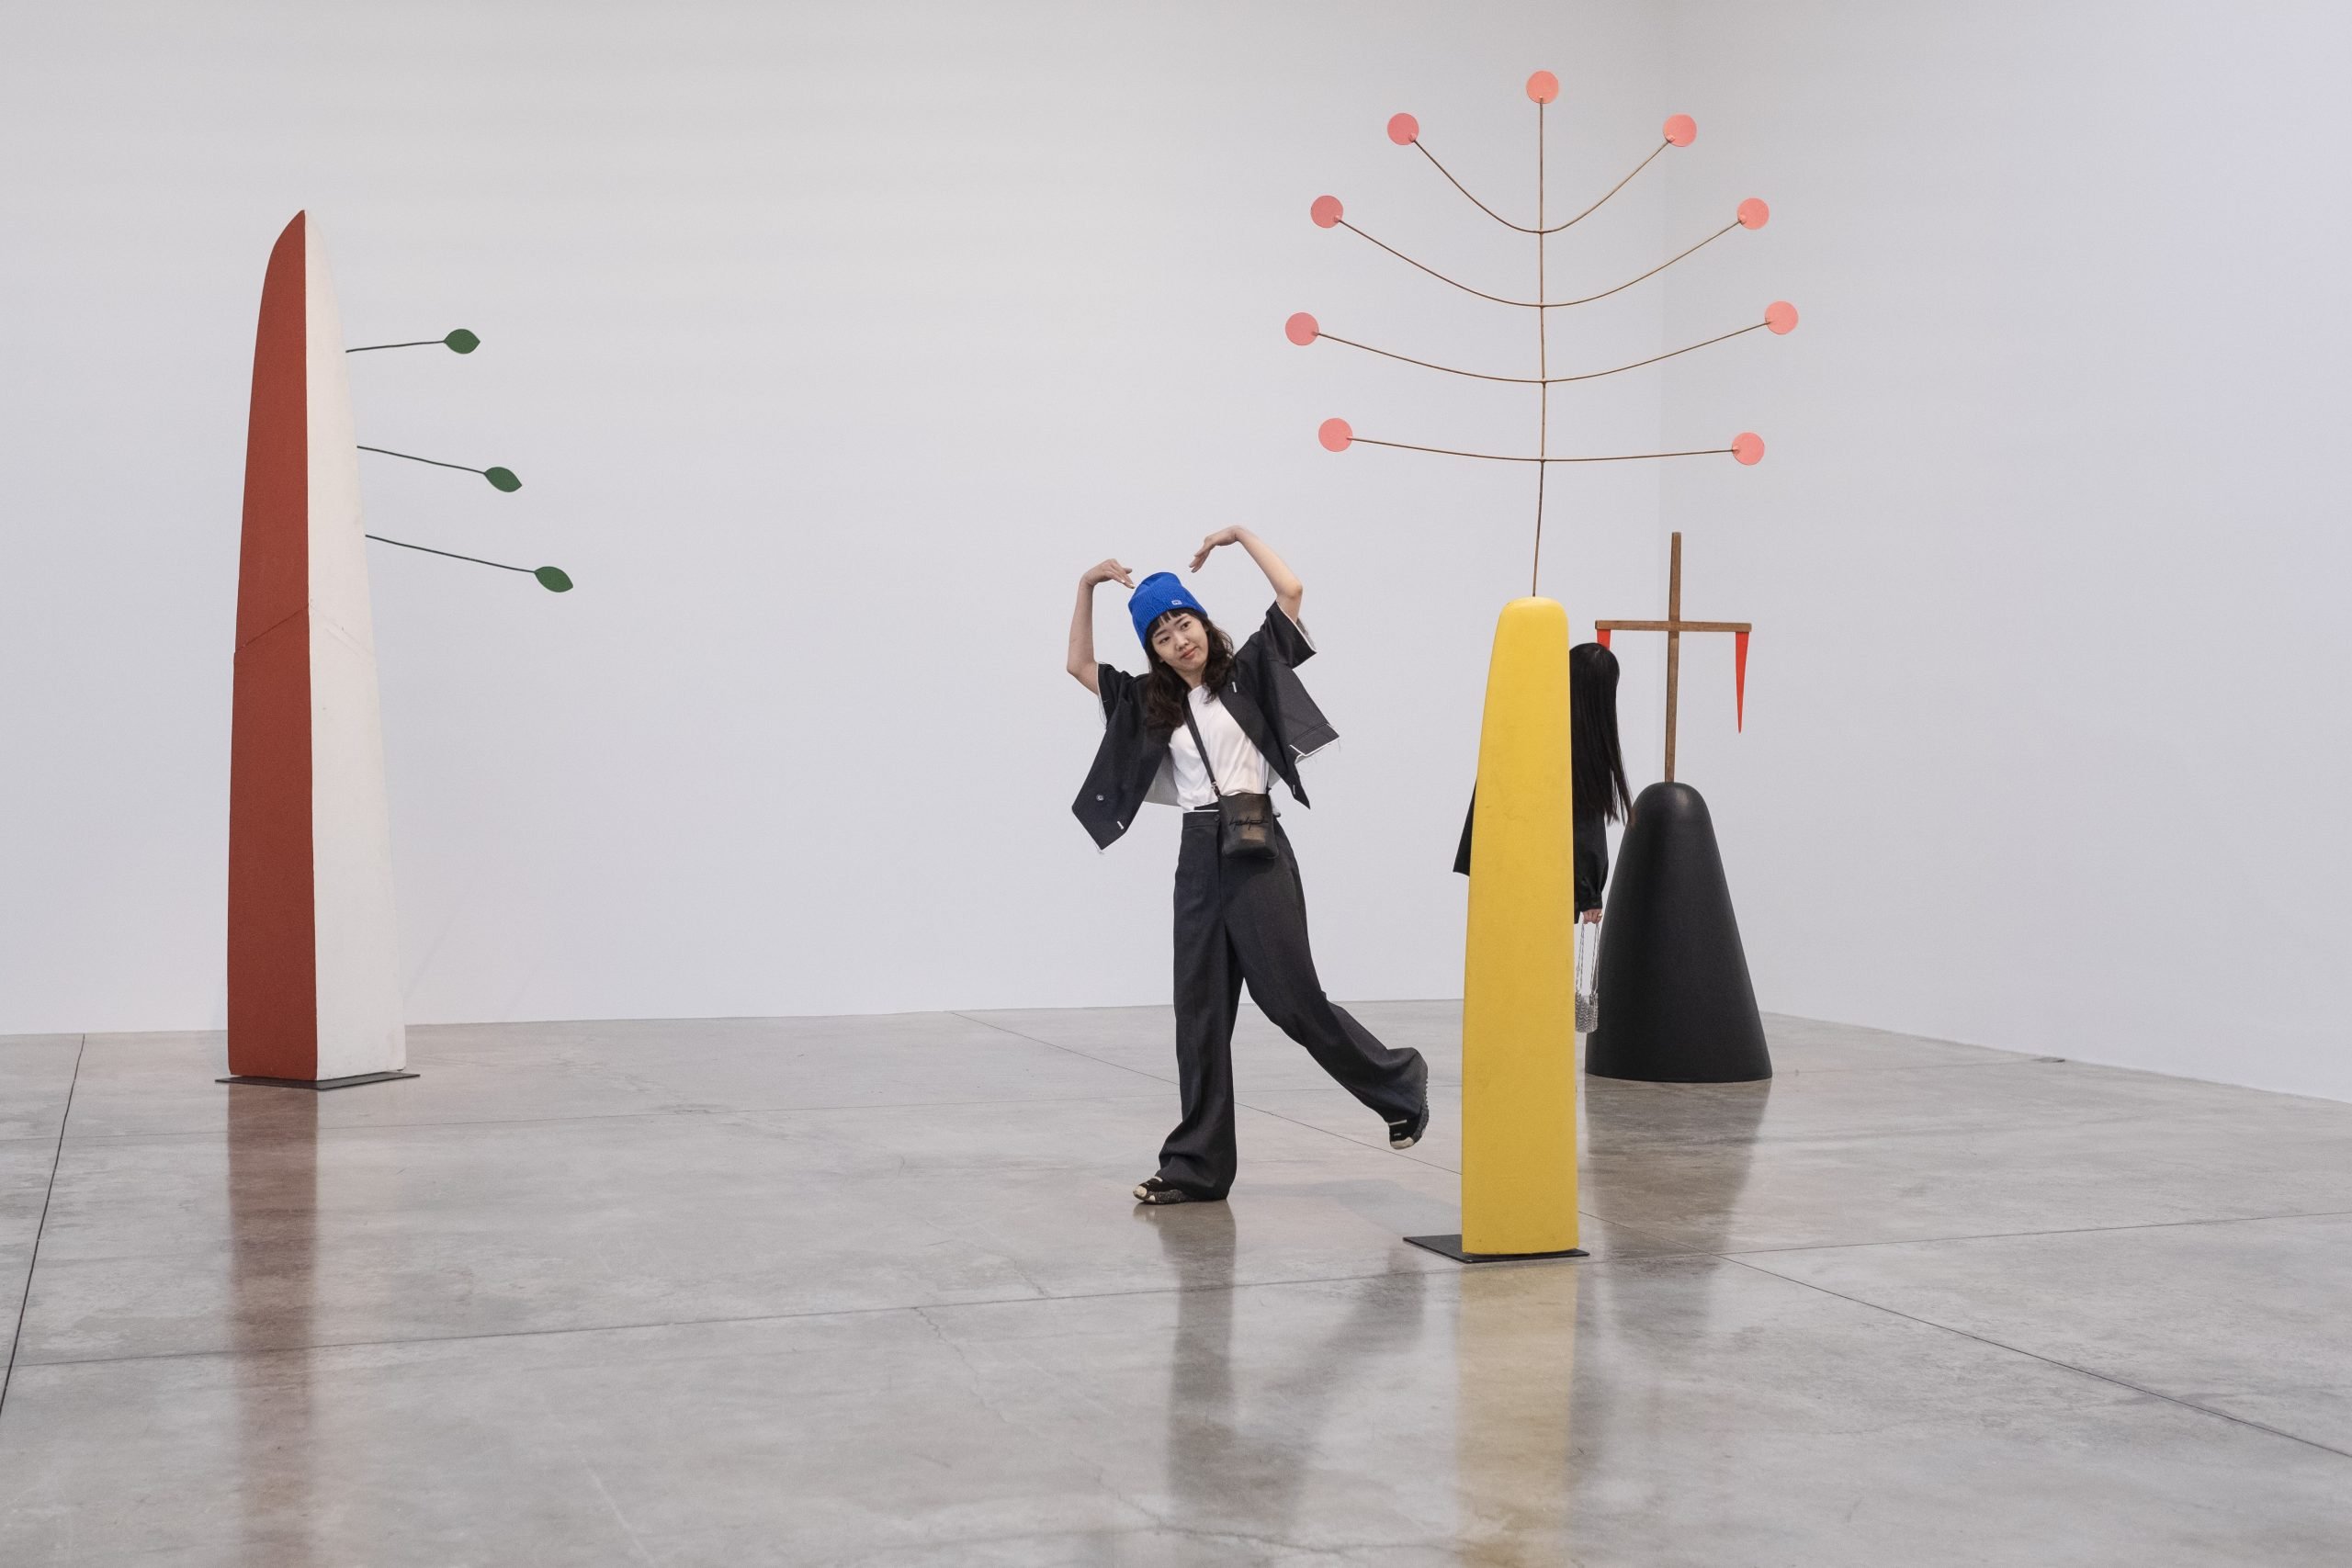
[870, 1290]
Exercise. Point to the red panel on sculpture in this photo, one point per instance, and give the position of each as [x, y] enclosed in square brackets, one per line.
[273, 989]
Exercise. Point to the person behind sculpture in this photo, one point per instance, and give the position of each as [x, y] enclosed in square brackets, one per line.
[1596, 786]
[1207, 728]
[1597, 789]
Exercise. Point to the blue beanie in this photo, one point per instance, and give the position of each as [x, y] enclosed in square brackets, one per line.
[1154, 597]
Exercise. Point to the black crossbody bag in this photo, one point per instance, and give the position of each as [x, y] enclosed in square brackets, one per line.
[1245, 822]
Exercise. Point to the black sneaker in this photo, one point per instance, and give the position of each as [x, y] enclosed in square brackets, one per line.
[1155, 1191]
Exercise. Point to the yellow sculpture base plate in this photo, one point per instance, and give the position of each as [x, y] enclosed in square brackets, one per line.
[1451, 1245]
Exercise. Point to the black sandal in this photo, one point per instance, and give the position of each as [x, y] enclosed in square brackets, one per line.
[1155, 1191]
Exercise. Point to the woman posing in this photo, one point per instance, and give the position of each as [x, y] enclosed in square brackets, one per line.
[1207, 728]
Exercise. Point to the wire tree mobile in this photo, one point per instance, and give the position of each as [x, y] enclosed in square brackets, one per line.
[1543, 88]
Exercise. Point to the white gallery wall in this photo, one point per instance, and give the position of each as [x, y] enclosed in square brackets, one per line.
[2049, 704]
[832, 341]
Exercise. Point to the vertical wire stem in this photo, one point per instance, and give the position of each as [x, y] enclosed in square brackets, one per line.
[1542, 366]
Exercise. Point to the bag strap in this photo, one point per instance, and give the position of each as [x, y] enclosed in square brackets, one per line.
[1202, 745]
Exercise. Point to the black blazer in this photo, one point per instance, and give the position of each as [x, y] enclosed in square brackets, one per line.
[1263, 694]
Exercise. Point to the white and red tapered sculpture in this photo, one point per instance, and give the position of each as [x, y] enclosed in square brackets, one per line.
[314, 994]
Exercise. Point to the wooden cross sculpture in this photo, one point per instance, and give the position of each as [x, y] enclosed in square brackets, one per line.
[1674, 626]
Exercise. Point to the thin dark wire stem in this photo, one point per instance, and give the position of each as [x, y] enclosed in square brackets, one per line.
[453, 554]
[1539, 228]
[1529, 304]
[1502, 458]
[1530, 380]
[40, 1227]
[414, 458]
[421, 343]
[1542, 367]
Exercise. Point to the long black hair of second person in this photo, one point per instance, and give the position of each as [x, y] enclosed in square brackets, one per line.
[1165, 691]
[1599, 786]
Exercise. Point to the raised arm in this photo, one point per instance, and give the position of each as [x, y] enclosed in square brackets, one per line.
[1081, 663]
[1288, 590]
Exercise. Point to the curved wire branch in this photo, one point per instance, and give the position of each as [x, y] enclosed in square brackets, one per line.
[420, 342]
[1523, 304]
[1556, 304]
[1523, 228]
[1503, 458]
[1540, 304]
[1538, 381]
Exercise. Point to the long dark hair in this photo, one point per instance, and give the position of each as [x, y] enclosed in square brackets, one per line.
[1165, 693]
[1600, 784]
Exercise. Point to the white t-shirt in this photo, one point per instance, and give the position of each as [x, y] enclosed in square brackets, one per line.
[1241, 766]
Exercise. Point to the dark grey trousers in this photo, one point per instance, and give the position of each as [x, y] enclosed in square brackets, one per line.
[1239, 921]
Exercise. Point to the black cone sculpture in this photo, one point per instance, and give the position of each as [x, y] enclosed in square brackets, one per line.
[1675, 1004]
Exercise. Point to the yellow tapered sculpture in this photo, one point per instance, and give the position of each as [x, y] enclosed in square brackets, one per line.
[1519, 1108]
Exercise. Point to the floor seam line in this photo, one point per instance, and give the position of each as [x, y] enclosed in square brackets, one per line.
[715, 1114]
[1231, 1287]
[2108, 1377]
[1055, 1045]
[32, 1259]
[2027, 1235]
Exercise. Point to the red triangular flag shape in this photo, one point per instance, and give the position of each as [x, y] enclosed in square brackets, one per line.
[1739, 676]
[1602, 633]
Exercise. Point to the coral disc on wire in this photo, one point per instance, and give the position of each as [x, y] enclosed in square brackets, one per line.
[1544, 87]
[1326, 211]
[1753, 213]
[1682, 129]
[1335, 434]
[1301, 329]
[1779, 315]
[1404, 130]
[1748, 447]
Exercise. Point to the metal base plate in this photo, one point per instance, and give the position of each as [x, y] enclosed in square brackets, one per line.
[321, 1084]
[1452, 1247]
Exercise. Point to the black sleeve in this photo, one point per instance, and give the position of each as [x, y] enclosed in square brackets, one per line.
[1115, 686]
[1282, 638]
[1462, 855]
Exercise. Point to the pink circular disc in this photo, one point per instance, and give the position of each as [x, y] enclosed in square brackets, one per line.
[1326, 211]
[1779, 315]
[1753, 213]
[1404, 130]
[1301, 329]
[1335, 434]
[1544, 87]
[1682, 129]
[1748, 447]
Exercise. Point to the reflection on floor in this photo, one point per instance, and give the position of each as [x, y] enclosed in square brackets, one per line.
[870, 1290]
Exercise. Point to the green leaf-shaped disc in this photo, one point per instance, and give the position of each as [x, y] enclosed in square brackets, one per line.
[553, 579]
[462, 341]
[504, 479]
